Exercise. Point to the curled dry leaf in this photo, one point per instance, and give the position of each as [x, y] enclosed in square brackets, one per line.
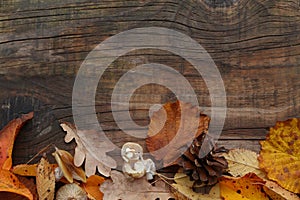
[10, 183]
[122, 188]
[45, 180]
[7, 137]
[92, 187]
[65, 162]
[248, 187]
[71, 191]
[84, 151]
[174, 127]
[183, 189]
[242, 162]
[276, 192]
[28, 170]
[280, 154]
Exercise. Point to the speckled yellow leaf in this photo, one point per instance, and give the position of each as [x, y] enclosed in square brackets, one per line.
[248, 187]
[280, 154]
[45, 180]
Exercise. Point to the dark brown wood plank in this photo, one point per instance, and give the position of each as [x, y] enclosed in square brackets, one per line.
[255, 45]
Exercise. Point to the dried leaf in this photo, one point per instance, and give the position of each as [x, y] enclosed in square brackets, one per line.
[45, 180]
[86, 151]
[280, 154]
[248, 187]
[183, 189]
[7, 137]
[122, 188]
[71, 191]
[92, 186]
[65, 162]
[276, 192]
[10, 183]
[174, 127]
[28, 170]
[30, 184]
[242, 162]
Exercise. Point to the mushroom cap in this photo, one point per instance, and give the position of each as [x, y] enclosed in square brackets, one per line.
[71, 191]
[131, 151]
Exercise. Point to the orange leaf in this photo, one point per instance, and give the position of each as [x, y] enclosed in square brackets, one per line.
[45, 180]
[175, 124]
[280, 154]
[28, 170]
[92, 186]
[10, 183]
[65, 162]
[248, 187]
[7, 137]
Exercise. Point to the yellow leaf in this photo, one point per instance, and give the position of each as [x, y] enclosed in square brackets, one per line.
[65, 162]
[248, 187]
[28, 170]
[242, 162]
[45, 180]
[280, 154]
[92, 186]
[10, 183]
[183, 189]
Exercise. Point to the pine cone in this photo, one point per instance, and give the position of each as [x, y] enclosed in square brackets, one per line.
[204, 171]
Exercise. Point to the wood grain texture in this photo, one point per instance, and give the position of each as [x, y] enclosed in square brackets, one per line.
[255, 45]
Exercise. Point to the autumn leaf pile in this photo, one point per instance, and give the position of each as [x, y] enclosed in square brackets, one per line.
[173, 141]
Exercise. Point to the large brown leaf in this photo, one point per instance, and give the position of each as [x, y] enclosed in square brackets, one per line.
[173, 128]
[123, 188]
[7, 138]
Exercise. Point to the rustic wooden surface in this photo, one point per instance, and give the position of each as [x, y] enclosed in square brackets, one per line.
[255, 44]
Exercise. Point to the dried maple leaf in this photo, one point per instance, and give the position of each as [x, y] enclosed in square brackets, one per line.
[242, 162]
[172, 130]
[65, 162]
[183, 189]
[7, 137]
[248, 187]
[45, 180]
[27, 169]
[122, 188]
[92, 187]
[85, 150]
[10, 183]
[280, 154]
[275, 192]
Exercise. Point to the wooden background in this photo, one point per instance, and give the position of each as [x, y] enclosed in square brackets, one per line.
[254, 43]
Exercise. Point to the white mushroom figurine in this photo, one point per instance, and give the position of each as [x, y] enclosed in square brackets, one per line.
[134, 165]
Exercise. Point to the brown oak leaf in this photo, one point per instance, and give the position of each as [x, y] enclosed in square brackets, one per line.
[86, 151]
